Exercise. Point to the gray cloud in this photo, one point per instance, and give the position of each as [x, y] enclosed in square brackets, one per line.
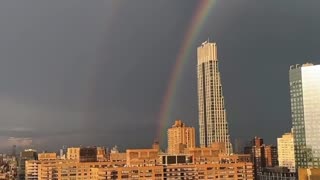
[24, 142]
[95, 72]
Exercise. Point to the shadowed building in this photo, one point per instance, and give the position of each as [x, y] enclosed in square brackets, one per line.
[277, 173]
[82, 154]
[305, 114]
[28, 154]
[212, 113]
[271, 155]
[256, 150]
[238, 146]
[262, 155]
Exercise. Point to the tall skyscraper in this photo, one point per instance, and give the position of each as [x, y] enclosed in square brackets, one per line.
[212, 113]
[305, 113]
[286, 152]
[180, 137]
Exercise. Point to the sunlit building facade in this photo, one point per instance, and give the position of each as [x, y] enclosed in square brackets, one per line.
[286, 152]
[212, 113]
[305, 113]
[63, 169]
[198, 163]
[227, 171]
[309, 173]
[180, 137]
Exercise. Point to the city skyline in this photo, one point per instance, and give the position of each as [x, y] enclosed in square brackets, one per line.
[95, 73]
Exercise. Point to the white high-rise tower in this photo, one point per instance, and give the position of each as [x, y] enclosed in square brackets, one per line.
[212, 113]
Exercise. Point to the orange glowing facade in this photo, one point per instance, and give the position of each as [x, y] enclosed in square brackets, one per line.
[309, 173]
[180, 137]
[198, 163]
[135, 164]
[235, 171]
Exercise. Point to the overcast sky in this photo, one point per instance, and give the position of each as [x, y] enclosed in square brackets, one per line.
[79, 72]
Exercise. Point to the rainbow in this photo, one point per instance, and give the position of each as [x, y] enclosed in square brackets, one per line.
[197, 21]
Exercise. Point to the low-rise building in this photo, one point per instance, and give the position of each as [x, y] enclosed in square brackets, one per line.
[102, 154]
[62, 169]
[277, 173]
[228, 171]
[143, 157]
[133, 173]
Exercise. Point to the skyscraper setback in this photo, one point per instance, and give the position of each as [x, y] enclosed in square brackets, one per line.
[305, 113]
[212, 113]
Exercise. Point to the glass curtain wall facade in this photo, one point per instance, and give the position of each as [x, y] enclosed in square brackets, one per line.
[305, 113]
[212, 113]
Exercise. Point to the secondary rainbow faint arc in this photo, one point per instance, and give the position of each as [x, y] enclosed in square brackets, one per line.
[197, 21]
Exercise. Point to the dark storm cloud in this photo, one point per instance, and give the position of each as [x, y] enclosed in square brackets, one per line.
[95, 72]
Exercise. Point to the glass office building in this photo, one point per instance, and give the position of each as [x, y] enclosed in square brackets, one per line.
[305, 113]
